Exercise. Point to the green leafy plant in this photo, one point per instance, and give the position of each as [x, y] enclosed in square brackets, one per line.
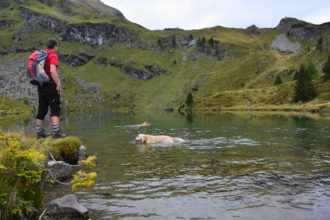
[21, 172]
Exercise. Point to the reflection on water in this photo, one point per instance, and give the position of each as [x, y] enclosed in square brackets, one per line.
[232, 166]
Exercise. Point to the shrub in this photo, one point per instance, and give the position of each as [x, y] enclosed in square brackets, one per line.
[20, 174]
[326, 69]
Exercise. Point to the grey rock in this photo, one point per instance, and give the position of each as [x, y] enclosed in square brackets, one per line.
[72, 60]
[298, 29]
[14, 83]
[253, 29]
[35, 22]
[217, 50]
[125, 68]
[5, 23]
[4, 4]
[82, 153]
[157, 69]
[97, 34]
[282, 44]
[61, 170]
[66, 207]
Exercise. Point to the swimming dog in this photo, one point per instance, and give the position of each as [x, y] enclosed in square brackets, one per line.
[144, 124]
[152, 139]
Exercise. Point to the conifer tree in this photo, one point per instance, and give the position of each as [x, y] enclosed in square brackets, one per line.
[311, 69]
[189, 101]
[278, 80]
[211, 41]
[304, 90]
[326, 69]
[319, 45]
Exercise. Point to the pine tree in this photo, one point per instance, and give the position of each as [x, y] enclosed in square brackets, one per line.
[311, 69]
[319, 45]
[211, 41]
[174, 44]
[326, 69]
[278, 80]
[199, 42]
[189, 101]
[159, 41]
[304, 90]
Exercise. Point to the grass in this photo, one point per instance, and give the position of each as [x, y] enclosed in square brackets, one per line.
[11, 110]
[245, 81]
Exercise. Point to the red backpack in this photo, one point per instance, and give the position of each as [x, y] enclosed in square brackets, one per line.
[36, 68]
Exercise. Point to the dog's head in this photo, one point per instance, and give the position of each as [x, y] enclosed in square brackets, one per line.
[141, 137]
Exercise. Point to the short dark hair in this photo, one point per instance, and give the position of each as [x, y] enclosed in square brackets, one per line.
[51, 43]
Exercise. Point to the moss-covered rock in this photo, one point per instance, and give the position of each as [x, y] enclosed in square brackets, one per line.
[66, 149]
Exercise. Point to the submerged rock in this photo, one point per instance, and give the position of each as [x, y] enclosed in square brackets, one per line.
[66, 207]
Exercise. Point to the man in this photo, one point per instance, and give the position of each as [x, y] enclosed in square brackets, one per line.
[49, 94]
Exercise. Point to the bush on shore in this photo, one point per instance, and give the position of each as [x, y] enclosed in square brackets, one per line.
[21, 172]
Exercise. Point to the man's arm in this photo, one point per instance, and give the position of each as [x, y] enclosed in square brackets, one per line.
[55, 76]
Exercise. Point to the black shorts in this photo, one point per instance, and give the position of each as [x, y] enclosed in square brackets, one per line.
[48, 97]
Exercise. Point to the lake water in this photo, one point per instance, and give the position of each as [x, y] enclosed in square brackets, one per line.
[231, 166]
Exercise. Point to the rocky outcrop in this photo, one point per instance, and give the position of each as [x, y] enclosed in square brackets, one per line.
[36, 22]
[4, 4]
[14, 83]
[176, 41]
[253, 29]
[282, 44]
[97, 34]
[5, 23]
[125, 68]
[72, 60]
[156, 69]
[302, 30]
[217, 49]
[66, 207]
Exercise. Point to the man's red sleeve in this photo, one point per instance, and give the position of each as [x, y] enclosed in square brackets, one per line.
[53, 59]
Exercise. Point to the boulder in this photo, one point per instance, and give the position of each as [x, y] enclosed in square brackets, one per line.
[66, 207]
[61, 170]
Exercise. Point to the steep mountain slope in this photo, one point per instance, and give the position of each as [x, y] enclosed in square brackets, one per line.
[108, 62]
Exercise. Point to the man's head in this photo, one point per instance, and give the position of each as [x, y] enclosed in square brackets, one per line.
[51, 44]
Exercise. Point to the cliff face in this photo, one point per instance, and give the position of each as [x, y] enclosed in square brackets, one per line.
[107, 61]
[97, 34]
[302, 30]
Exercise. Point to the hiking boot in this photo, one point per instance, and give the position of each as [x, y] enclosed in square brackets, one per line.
[40, 132]
[57, 133]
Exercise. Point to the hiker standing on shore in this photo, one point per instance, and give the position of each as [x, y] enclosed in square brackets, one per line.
[49, 94]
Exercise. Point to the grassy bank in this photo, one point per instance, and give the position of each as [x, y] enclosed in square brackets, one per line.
[12, 111]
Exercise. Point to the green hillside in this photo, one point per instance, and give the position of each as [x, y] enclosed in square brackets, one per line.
[109, 63]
